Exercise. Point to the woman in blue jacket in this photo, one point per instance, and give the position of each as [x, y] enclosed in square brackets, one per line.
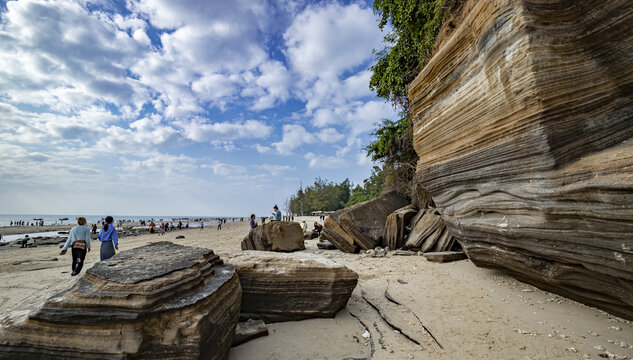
[108, 238]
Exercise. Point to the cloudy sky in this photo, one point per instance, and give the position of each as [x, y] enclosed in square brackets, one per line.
[188, 107]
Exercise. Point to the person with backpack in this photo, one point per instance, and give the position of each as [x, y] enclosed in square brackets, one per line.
[79, 241]
[109, 240]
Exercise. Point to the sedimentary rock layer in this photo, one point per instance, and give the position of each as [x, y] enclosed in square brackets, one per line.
[396, 226]
[523, 122]
[275, 236]
[159, 301]
[295, 286]
[362, 225]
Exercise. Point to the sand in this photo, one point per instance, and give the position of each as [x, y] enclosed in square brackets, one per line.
[473, 313]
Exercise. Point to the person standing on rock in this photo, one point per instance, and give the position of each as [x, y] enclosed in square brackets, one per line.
[253, 223]
[109, 240]
[276, 213]
[79, 241]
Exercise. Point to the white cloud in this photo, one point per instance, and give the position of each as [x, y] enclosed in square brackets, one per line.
[293, 137]
[324, 41]
[316, 161]
[223, 169]
[201, 130]
[262, 149]
[329, 135]
[158, 163]
[275, 169]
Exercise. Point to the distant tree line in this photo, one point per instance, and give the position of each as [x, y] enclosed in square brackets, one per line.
[323, 195]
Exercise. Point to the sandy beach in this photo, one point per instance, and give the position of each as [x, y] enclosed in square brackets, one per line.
[473, 313]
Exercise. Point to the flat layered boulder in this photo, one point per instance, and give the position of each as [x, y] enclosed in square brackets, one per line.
[284, 236]
[362, 225]
[523, 124]
[156, 301]
[286, 287]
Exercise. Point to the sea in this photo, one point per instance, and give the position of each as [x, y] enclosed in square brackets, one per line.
[6, 219]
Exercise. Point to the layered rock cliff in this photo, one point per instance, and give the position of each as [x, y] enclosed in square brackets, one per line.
[523, 122]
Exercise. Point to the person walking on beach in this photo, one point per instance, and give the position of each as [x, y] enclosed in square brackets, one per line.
[219, 224]
[79, 241]
[201, 225]
[94, 229]
[276, 213]
[253, 223]
[25, 241]
[109, 240]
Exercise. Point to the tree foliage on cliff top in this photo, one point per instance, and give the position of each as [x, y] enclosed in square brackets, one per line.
[414, 28]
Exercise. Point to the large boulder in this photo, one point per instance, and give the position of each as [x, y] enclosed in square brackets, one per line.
[396, 226]
[156, 301]
[362, 225]
[523, 123]
[284, 287]
[282, 236]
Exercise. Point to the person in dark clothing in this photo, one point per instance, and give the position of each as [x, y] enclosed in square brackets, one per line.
[79, 241]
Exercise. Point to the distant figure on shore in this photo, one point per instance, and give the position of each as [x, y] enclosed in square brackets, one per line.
[304, 226]
[201, 225]
[79, 241]
[151, 227]
[25, 241]
[263, 220]
[276, 213]
[253, 223]
[94, 228]
[219, 224]
[109, 240]
[0, 236]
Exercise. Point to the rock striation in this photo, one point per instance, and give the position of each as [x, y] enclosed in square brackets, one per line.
[429, 233]
[158, 301]
[282, 236]
[287, 287]
[396, 226]
[362, 225]
[523, 123]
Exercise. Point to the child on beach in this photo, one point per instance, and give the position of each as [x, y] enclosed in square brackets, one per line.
[253, 223]
[79, 241]
[109, 240]
[25, 241]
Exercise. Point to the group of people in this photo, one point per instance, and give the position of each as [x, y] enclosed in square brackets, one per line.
[27, 223]
[79, 242]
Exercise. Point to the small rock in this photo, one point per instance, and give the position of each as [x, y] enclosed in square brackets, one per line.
[402, 281]
[598, 347]
[366, 334]
[572, 349]
[616, 328]
[180, 237]
[624, 345]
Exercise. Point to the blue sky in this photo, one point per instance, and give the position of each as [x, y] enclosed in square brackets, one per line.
[189, 107]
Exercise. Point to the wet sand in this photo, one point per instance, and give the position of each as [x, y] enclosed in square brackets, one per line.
[473, 313]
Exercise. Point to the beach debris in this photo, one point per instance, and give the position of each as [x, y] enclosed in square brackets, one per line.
[572, 349]
[249, 330]
[402, 281]
[616, 328]
[396, 226]
[608, 355]
[366, 334]
[178, 295]
[291, 286]
[445, 256]
[362, 225]
[180, 237]
[275, 236]
[326, 245]
[624, 345]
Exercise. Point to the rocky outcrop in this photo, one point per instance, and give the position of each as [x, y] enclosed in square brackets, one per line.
[429, 234]
[362, 225]
[396, 226]
[282, 236]
[284, 287]
[523, 123]
[156, 301]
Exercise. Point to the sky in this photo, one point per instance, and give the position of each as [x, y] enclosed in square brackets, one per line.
[188, 107]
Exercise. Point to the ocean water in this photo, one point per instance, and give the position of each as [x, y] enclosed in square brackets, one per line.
[5, 219]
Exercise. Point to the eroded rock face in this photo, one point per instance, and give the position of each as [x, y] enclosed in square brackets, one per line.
[286, 287]
[396, 226]
[362, 225]
[282, 236]
[156, 301]
[523, 122]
